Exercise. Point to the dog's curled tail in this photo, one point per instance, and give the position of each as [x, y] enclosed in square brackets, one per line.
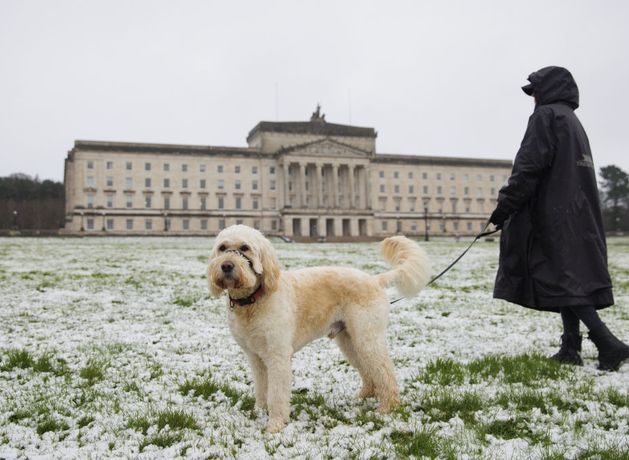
[411, 268]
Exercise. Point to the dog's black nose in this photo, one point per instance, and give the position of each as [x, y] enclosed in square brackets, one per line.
[227, 267]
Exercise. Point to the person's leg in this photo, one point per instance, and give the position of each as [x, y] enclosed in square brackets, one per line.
[612, 352]
[570, 340]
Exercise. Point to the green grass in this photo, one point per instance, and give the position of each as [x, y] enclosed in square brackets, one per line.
[175, 419]
[50, 424]
[94, 371]
[24, 359]
[161, 440]
[528, 369]
[442, 405]
[206, 387]
[422, 443]
[443, 372]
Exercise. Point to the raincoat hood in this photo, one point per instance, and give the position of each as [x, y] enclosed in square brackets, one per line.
[553, 84]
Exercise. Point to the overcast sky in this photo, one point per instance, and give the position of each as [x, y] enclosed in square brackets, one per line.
[432, 77]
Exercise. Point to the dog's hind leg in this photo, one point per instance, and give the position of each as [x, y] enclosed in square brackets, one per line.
[344, 342]
[368, 339]
[260, 379]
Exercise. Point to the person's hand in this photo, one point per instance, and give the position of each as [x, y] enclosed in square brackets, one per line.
[498, 218]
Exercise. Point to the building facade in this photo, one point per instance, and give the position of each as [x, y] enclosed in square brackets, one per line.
[309, 179]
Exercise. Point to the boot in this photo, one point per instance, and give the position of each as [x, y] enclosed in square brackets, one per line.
[569, 351]
[612, 352]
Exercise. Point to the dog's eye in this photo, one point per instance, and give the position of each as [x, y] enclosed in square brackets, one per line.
[244, 248]
[221, 247]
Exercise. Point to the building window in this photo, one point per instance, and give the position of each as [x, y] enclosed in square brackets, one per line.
[110, 165]
[166, 202]
[396, 189]
[90, 164]
[425, 190]
[425, 176]
[384, 225]
[147, 182]
[410, 189]
[237, 169]
[452, 176]
[254, 185]
[129, 200]
[129, 166]
[274, 225]
[480, 191]
[255, 203]
[186, 224]
[148, 224]
[219, 168]
[184, 202]
[271, 169]
[109, 200]
[410, 174]
[110, 181]
[396, 174]
[238, 202]
[466, 190]
[382, 188]
[166, 182]
[129, 224]
[184, 183]
[256, 224]
[90, 223]
[239, 221]
[90, 200]
[90, 181]
[202, 183]
[166, 166]
[272, 184]
[129, 183]
[452, 191]
[237, 185]
[147, 201]
[184, 167]
[221, 184]
[221, 224]
[479, 177]
[147, 166]
[438, 176]
[203, 203]
[491, 178]
[469, 226]
[201, 168]
[254, 170]
[203, 224]
[221, 202]
[439, 190]
[110, 224]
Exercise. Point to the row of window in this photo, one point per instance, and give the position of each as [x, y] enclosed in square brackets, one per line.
[443, 226]
[426, 190]
[148, 166]
[185, 202]
[438, 176]
[149, 224]
[90, 182]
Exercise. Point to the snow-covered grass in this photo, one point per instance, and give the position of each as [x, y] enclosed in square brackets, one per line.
[112, 348]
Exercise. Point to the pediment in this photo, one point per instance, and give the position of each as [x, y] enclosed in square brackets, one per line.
[326, 148]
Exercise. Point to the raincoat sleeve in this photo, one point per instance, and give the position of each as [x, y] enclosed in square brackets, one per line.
[532, 161]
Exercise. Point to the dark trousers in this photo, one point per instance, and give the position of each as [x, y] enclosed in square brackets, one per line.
[571, 316]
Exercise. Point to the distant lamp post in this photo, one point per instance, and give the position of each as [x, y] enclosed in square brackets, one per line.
[82, 227]
[165, 221]
[426, 226]
[104, 228]
[15, 220]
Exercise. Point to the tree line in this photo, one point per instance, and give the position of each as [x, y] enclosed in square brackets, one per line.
[28, 203]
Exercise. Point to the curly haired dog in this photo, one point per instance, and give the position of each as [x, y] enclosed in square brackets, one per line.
[274, 313]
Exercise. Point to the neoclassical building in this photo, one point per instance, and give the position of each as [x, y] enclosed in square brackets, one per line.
[310, 179]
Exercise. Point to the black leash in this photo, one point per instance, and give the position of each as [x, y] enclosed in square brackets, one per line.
[478, 237]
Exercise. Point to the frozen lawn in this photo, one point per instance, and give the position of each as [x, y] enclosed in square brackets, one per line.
[112, 348]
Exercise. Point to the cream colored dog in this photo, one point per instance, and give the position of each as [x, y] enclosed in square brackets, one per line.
[274, 313]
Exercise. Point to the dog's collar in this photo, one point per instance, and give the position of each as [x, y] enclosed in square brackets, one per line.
[245, 301]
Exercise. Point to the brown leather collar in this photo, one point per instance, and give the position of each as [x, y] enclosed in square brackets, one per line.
[246, 301]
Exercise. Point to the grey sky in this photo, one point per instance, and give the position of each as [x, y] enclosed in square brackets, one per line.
[432, 77]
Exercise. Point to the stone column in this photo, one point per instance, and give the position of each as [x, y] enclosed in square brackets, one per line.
[367, 188]
[286, 179]
[302, 185]
[319, 181]
[352, 192]
[335, 185]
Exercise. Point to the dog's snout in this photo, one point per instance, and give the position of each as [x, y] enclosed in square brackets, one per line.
[227, 267]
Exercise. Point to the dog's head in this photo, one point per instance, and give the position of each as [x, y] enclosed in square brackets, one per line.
[242, 259]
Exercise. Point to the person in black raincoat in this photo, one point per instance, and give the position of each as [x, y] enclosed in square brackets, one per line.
[553, 254]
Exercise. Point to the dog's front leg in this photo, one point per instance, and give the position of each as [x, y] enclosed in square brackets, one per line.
[260, 379]
[279, 378]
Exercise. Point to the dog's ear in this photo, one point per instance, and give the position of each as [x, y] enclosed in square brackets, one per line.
[270, 265]
[215, 290]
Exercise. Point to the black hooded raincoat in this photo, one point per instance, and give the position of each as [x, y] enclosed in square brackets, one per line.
[552, 248]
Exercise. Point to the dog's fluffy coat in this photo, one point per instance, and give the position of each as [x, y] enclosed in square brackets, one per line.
[294, 307]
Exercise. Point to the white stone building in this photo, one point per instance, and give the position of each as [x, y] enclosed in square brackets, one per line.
[299, 179]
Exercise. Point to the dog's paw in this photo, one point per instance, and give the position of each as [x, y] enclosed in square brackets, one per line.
[387, 406]
[275, 426]
[366, 392]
